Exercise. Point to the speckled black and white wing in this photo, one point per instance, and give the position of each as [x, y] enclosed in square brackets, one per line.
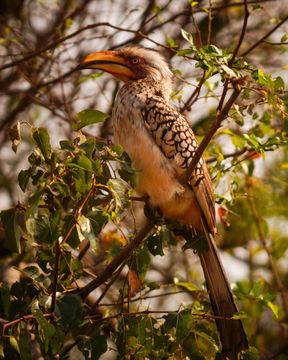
[174, 136]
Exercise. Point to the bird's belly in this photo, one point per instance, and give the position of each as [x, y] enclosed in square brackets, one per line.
[158, 179]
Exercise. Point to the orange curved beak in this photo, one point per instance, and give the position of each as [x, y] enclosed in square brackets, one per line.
[109, 61]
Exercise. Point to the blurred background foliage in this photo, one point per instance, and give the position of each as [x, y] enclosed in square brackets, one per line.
[59, 180]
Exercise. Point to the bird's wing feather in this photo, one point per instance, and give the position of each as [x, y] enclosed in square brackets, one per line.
[174, 136]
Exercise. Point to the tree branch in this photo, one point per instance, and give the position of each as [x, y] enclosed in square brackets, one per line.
[221, 115]
[117, 261]
[243, 31]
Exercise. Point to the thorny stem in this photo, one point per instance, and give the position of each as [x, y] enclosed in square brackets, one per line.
[279, 285]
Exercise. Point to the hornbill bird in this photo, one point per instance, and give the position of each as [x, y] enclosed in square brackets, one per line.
[161, 144]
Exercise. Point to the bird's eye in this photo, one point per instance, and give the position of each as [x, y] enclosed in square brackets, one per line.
[135, 61]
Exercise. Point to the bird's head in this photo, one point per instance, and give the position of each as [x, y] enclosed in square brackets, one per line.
[130, 64]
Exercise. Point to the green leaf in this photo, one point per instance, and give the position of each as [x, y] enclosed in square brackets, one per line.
[31, 271]
[12, 233]
[42, 139]
[92, 347]
[24, 340]
[89, 117]
[252, 140]
[211, 50]
[67, 307]
[34, 273]
[155, 244]
[66, 145]
[184, 320]
[48, 330]
[118, 189]
[185, 52]
[171, 42]
[262, 77]
[141, 262]
[279, 83]
[90, 77]
[85, 228]
[188, 286]
[14, 344]
[207, 337]
[275, 308]
[168, 237]
[5, 299]
[170, 320]
[197, 242]
[193, 3]
[98, 219]
[81, 162]
[250, 354]
[187, 36]
[82, 179]
[240, 315]
[39, 228]
[88, 146]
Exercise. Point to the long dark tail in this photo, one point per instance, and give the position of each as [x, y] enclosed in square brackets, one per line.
[232, 334]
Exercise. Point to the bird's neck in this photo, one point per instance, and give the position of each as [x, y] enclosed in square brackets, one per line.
[160, 88]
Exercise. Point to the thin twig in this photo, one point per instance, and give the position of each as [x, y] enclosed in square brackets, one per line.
[140, 298]
[242, 35]
[196, 27]
[264, 37]
[226, 156]
[115, 276]
[209, 22]
[147, 312]
[22, 318]
[117, 261]
[194, 96]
